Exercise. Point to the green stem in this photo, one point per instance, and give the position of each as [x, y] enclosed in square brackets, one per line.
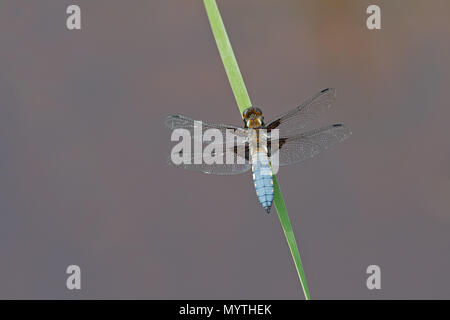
[243, 101]
[289, 234]
[227, 55]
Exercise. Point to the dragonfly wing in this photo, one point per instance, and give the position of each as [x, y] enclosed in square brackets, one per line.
[181, 122]
[304, 146]
[291, 122]
[199, 161]
[196, 161]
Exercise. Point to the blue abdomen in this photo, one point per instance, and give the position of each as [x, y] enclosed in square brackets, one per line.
[262, 176]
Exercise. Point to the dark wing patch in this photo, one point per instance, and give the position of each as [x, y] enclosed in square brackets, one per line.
[246, 152]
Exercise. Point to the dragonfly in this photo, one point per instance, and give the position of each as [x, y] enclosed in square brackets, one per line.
[257, 147]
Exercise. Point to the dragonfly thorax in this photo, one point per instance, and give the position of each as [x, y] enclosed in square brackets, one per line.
[257, 141]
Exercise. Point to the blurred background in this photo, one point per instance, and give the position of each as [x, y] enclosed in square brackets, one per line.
[83, 178]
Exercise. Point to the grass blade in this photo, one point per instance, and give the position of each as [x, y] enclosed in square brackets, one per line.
[289, 234]
[227, 55]
[243, 101]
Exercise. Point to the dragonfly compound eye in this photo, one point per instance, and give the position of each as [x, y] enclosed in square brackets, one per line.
[252, 113]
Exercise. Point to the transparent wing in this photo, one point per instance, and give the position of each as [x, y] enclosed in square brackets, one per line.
[304, 146]
[196, 161]
[182, 122]
[291, 122]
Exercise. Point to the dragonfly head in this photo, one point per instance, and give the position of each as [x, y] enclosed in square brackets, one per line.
[253, 118]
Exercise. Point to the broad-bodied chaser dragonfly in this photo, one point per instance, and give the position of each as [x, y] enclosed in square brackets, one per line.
[256, 148]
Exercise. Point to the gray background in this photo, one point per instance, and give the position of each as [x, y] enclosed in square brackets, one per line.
[82, 144]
